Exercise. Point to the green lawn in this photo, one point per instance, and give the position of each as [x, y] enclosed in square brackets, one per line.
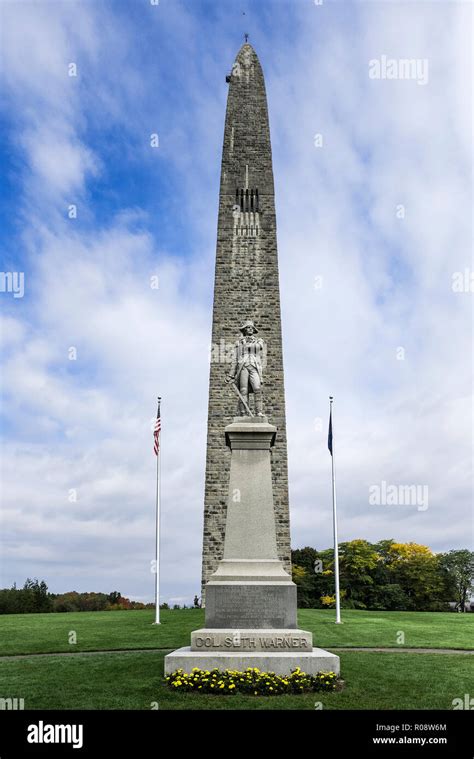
[49, 633]
[135, 680]
[380, 628]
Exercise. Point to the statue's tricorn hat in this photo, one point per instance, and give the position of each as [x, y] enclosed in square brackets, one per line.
[248, 323]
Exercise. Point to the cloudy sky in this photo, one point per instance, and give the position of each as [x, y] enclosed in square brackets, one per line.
[373, 181]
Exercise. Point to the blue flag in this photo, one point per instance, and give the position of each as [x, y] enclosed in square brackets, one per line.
[330, 432]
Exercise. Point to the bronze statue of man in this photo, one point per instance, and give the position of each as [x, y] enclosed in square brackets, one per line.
[246, 372]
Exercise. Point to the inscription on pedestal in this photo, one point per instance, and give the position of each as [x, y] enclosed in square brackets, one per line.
[251, 640]
[251, 606]
[243, 642]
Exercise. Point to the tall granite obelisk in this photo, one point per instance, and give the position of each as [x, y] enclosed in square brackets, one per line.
[251, 604]
[246, 287]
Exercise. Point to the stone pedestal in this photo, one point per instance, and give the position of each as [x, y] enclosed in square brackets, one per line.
[250, 598]
[282, 663]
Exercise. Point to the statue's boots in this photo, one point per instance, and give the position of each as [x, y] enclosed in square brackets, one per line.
[259, 403]
[242, 410]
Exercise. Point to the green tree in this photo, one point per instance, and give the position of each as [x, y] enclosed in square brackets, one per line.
[416, 569]
[389, 597]
[458, 569]
[35, 596]
[304, 582]
[358, 561]
[314, 575]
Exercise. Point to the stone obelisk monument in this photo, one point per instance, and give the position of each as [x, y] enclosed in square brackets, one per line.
[246, 287]
[250, 598]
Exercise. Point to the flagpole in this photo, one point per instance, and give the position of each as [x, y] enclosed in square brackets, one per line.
[334, 518]
[157, 526]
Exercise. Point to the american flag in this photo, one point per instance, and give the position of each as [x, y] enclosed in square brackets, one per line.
[157, 430]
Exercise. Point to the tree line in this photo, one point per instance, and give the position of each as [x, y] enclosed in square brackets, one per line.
[380, 576]
[34, 598]
[385, 576]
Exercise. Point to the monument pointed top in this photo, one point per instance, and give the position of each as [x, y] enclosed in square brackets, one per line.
[247, 57]
[248, 46]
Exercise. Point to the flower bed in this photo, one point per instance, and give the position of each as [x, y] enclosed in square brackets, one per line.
[251, 682]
